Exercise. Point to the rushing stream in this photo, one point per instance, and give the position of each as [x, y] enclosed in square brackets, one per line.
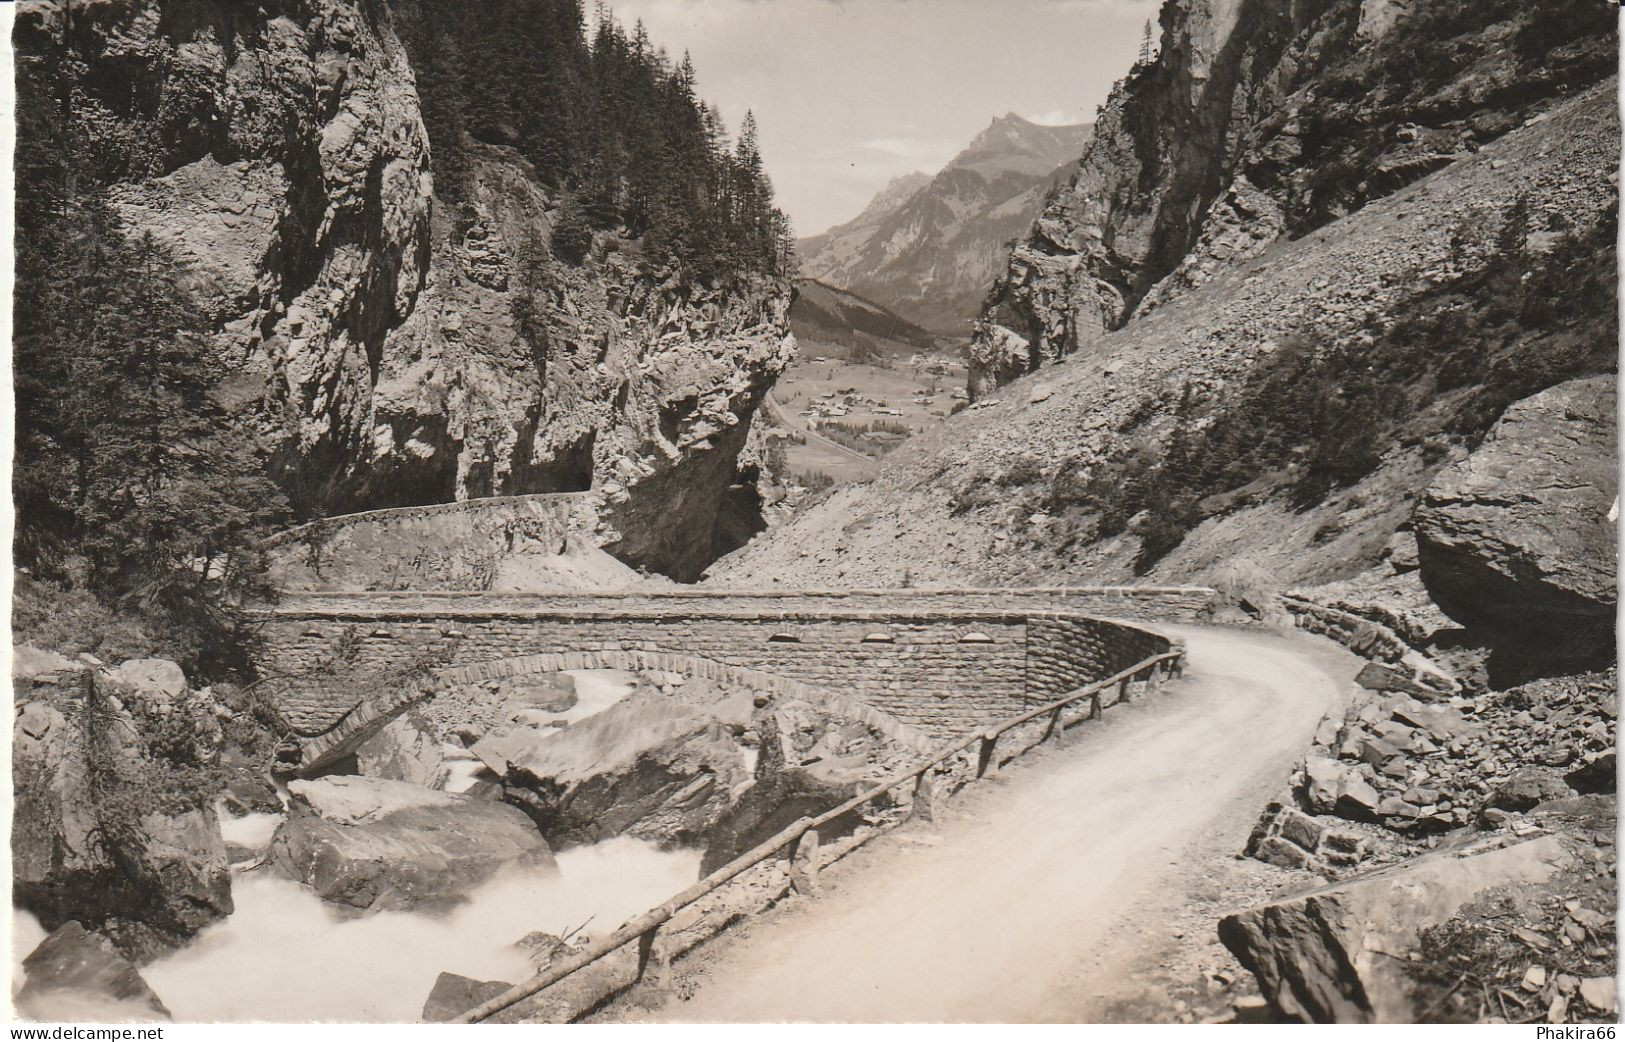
[284, 955]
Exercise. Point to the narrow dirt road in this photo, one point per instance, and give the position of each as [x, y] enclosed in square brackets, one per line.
[864, 465]
[1017, 906]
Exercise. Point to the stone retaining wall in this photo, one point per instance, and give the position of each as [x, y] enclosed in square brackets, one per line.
[1065, 653]
[1368, 639]
[443, 546]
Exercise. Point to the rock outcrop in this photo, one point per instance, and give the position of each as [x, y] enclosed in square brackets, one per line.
[681, 761]
[1338, 954]
[453, 995]
[73, 967]
[631, 381]
[376, 845]
[282, 154]
[389, 347]
[806, 763]
[102, 833]
[1518, 539]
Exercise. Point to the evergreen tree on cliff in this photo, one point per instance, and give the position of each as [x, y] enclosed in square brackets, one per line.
[609, 120]
[132, 481]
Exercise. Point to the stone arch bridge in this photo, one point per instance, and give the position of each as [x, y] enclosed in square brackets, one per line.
[922, 666]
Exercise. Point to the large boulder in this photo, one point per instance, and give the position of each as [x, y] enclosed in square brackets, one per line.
[1528, 788]
[78, 975]
[649, 766]
[1517, 539]
[372, 844]
[1340, 953]
[155, 679]
[453, 995]
[101, 833]
[37, 664]
[807, 762]
[404, 750]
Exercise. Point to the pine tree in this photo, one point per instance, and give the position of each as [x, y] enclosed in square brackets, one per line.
[131, 480]
[747, 193]
[171, 494]
[1145, 44]
[605, 117]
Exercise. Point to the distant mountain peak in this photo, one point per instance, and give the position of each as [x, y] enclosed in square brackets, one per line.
[927, 247]
[1013, 143]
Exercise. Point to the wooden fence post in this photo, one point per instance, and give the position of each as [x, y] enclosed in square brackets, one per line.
[1122, 692]
[925, 792]
[1154, 681]
[1094, 706]
[804, 864]
[1056, 726]
[988, 762]
[654, 960]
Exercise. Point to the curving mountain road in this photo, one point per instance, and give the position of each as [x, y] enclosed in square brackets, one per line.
[1017, 905]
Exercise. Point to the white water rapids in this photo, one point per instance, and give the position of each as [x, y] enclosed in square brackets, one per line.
[286, 956]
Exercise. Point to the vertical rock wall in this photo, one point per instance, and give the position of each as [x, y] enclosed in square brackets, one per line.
[1263, 119]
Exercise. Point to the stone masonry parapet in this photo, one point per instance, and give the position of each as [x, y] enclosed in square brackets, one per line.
[901, 593]
[353, 612]
[329, 525]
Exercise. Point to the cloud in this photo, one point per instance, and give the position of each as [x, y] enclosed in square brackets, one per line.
[891, 146]
[1052, 118]
[920, 151]
[1118, 7]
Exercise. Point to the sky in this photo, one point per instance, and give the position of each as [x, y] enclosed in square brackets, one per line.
[852, 93]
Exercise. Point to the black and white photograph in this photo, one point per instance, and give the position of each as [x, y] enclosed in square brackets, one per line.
[811, 512]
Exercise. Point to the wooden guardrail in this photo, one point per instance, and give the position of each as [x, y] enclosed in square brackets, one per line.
[801, 837]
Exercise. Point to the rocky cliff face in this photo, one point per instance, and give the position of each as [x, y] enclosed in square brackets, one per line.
[391, 349]
[1260, 120]
[280, 151]
[517, 373]
[928, 248]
